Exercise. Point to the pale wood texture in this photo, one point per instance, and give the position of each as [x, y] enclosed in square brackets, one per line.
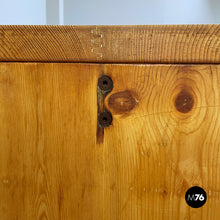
[51, 166]
[113, 44]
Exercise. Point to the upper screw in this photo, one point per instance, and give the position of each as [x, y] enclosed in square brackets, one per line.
[105, 83]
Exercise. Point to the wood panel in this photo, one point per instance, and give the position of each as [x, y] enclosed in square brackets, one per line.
[113, 44]
[163, 140]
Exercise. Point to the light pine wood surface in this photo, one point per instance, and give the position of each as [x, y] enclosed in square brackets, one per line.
[112, 44]
[164, 139]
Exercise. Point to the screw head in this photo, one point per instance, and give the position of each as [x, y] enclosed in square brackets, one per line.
[105, 83]
[105, 119]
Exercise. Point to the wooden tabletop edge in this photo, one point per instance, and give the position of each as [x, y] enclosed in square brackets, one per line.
[138, 44]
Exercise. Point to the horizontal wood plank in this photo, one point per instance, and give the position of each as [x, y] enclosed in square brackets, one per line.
[164, 138]
[111, 44]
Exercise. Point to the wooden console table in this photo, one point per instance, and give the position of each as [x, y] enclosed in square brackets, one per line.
[109, 122]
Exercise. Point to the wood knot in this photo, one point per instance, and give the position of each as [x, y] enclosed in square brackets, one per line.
[164, 193]
[122, 102]
[184, 101]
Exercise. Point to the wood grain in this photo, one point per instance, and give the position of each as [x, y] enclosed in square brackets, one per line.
[111, 44]
[163, 140]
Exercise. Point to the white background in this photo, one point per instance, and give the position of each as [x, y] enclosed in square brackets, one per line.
[118, 12]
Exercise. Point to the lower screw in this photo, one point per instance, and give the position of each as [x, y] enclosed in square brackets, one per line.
[105, 119]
